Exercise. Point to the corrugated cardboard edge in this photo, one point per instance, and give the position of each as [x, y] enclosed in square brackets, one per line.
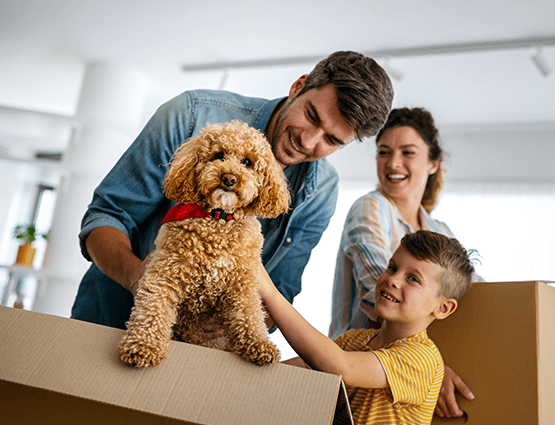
[79, 359]
[343, 400]
[546, 352]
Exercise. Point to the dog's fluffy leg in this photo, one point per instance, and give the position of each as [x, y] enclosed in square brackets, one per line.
[149, 328]
[247, 332]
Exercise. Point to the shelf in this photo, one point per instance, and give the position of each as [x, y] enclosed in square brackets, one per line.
[21, 286]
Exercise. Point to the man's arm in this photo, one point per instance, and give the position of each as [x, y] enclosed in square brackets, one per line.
[361, 369]
[110, 249]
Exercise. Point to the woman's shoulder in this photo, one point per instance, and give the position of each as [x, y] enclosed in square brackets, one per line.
[373, 201]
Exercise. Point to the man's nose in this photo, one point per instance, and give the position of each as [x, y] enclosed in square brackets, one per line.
[311, 137]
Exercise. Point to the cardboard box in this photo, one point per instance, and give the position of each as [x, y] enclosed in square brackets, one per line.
[501, 342]
[63, 371]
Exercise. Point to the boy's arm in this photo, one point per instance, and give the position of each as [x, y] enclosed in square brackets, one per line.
[358, 368]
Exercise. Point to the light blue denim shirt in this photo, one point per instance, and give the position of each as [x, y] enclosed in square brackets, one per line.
[131, 199]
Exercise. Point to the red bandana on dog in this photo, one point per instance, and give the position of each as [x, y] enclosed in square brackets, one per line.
[188, 211]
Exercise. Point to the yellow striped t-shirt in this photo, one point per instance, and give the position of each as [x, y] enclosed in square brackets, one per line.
[414, 369]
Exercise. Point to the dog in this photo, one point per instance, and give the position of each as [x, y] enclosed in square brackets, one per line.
[208, 250]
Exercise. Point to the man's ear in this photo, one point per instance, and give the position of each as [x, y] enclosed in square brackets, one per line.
[297, 86]
[446, 308]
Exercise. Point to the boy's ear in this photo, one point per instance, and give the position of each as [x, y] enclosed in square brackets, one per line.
[446, 308]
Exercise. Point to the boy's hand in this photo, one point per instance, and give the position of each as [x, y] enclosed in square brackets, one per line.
[265, 286]
[447, 405]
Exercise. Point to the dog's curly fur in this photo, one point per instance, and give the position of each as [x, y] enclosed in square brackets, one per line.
[205, 267]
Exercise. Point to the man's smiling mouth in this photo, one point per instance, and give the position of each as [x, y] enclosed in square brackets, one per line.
[294, 145]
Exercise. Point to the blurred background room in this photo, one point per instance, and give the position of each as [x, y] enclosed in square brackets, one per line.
[79, 79]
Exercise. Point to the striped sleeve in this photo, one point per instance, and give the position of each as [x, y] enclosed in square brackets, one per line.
[414, 370]
[367, 241]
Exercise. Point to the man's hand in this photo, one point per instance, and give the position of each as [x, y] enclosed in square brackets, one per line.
[211, 330]
[447, 405]
[137, 274]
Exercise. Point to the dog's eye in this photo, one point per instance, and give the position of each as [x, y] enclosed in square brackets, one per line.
[220, 156]
[247, 162]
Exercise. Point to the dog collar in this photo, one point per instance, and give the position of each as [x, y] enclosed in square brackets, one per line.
[189, 211]
[219, 214]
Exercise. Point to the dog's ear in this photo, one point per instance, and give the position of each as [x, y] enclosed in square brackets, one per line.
[273, 198]
[180, 183]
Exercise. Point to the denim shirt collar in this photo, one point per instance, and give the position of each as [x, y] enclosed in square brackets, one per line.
[262, 120]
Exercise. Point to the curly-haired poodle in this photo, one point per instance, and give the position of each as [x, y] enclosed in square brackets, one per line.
[207, 258]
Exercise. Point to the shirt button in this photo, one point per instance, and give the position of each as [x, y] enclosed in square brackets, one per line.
[288, 240]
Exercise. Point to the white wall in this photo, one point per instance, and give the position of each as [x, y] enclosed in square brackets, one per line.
[518, 152]
[512, 153]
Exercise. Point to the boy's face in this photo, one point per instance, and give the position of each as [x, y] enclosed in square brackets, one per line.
[407, 291]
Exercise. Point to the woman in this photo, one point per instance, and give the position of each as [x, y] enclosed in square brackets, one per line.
[410, 175]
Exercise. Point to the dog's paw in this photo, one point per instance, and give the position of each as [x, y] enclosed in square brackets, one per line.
[141, 352]
[262, 354]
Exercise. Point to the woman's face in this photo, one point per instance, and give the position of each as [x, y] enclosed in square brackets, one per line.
[403, 164]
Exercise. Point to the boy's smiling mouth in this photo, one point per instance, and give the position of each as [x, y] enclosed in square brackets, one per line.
[389, 297]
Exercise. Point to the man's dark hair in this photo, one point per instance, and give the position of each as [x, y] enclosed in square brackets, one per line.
[364, 91]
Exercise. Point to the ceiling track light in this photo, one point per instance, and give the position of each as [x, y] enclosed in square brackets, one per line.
[541, 63]
[225, 78]
[525, 43]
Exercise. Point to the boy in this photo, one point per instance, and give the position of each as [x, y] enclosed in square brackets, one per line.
[393, 374]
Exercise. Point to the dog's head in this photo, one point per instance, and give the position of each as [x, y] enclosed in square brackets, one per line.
[229, 166]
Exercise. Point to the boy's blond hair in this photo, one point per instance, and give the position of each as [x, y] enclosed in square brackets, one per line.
[455, 277]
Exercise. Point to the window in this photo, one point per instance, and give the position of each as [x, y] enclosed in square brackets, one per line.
[512, 226]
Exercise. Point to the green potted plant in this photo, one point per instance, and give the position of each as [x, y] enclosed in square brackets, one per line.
[26, 251]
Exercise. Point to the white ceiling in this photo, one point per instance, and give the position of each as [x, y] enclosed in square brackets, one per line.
[44, 47]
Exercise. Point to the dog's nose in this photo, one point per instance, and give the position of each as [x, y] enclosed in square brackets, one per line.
[229, 179]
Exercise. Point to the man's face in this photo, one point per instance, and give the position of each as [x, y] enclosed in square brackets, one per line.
[308, 127]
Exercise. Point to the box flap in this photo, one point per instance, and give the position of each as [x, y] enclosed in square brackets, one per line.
[194, 384]
[491, 343]
[343, 412]
[546, 352]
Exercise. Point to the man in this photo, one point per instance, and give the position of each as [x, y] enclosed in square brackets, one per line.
[346, 96]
